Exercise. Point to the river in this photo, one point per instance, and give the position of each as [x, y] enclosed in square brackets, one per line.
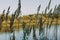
[50, 33]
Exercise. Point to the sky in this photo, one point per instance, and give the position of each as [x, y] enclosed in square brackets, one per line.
[27, 6]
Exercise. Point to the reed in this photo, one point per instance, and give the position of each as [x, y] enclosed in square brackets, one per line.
[18, 9]
[40, 25]
[29, 28]
[2, 19]
[24, 30]
[45, 11]
[18, 13]
[49, 5]
[11, 25]
[50, 13]
[56, 16]
[38, 9]
[39, 22]
[8, 10]
[34, 34]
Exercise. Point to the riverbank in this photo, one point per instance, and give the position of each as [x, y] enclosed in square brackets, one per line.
[29, 20]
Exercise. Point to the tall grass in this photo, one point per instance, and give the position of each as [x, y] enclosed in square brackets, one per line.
[24, 25]
[16, 14]
[11, 25]
[39, 22]
[8, 10]
[56, 16]
[34, 34]
[2, 19]
[38, 9]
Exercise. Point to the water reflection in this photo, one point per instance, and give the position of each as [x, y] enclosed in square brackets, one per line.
[45, 35]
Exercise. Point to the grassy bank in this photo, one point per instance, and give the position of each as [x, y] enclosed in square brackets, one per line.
[29, 20]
